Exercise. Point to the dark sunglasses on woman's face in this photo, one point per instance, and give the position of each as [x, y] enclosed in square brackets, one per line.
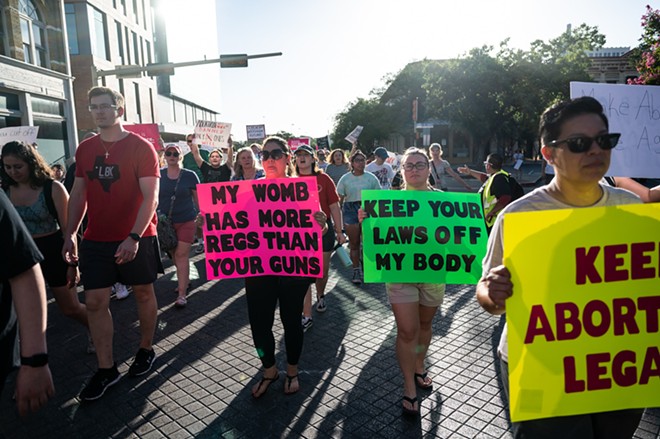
[275, 154]
[583, 143]
[172, 153]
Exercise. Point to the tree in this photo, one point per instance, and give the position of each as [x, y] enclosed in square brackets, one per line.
[646, 57]
[369, 113]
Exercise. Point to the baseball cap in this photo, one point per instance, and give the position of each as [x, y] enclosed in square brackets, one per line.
[306, 148]
[173, 146]
[381, 152]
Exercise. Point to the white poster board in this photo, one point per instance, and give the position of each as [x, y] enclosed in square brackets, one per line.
[20, 134]
[633, 111]
[255, 132]
[214, 134]
[353, 136]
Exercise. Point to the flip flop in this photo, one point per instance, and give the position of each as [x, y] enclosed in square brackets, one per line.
[287, 384]
[406, 410]
[423, 384]
[180, 302]
[269, 381]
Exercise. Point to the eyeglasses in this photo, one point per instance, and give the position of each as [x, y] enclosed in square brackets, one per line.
[420, 166]
[275, 154]
[583, 143]
[172, 153]
[102, 107]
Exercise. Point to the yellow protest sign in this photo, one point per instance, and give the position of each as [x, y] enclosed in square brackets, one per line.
[583, 319]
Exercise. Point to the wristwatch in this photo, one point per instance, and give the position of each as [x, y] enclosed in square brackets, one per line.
[37, 360]
[134, 236]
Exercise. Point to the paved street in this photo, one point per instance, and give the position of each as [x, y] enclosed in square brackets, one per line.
[350, 382]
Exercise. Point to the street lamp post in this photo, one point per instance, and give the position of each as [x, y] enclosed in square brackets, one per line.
[225, 61]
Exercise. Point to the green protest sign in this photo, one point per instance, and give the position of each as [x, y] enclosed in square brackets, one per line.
[423, 237]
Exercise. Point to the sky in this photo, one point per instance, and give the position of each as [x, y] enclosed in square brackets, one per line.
[337, 51]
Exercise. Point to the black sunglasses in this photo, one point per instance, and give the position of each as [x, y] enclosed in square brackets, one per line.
[583, 143]
[172, 153]
[275, 154]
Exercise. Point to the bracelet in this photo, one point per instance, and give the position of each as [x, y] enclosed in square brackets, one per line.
[37, 360]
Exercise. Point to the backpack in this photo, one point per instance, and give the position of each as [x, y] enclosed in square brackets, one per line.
[517, 190]
[48, 195]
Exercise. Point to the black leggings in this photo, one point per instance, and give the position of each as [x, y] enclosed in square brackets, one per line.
[263, 293]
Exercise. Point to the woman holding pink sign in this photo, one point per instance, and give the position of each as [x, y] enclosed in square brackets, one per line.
[264, 292]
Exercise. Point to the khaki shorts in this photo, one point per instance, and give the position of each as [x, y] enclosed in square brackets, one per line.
[426, 294]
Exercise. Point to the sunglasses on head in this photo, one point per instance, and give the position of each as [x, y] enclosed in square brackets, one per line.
[172, 153]
[275, 154]
[583, 143]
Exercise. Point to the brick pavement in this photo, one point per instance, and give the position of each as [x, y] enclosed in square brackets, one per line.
[350, 382]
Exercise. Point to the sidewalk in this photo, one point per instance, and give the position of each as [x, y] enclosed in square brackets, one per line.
[206, 364]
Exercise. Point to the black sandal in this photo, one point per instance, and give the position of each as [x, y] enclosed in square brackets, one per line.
[422, 385]
[406, 410]
[265, 379]
[287, 384]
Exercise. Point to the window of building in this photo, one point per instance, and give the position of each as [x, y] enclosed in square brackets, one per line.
[136, 49]
[135, 11]
[138, 104]
[33, 34]
[3, 37]
[122, 6]
[144, 16]
[71, 28]
[148, 52]
[48, 115]
[98, 33]
[128, 46]
[120, 42]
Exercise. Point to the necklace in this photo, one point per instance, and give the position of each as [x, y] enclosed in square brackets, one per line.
[107, 148]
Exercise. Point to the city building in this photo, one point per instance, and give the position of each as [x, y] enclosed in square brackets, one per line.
[611, 65]
[35, 74]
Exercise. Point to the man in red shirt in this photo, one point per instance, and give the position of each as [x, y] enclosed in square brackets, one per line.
[117, 184]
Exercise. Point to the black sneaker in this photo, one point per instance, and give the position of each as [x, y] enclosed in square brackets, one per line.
[99, 383]
[144, 359]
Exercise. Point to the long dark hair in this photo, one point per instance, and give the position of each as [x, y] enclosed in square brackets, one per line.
[40, 172]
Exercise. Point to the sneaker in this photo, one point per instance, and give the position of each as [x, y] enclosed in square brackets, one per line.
[99, 383]
[121, 292]
[320, 304]
[142, 363]
[357, 276]
[307, 323]
[91, 349]
[200, 248]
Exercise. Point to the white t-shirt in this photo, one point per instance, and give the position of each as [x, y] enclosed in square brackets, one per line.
[539, 199]
[384, 173]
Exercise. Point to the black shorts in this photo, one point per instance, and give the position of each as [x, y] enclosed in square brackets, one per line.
[99, 270]
[53, 266]
[329, 237]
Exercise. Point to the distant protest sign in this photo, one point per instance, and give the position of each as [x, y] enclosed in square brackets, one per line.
[20, 134]
[583, 318]
[213, 134]
[148, 131]
[633, 111]
[353, 135]
[323, 142]
[261, 227]
[256, 132]
[427, 237]
[295, 142]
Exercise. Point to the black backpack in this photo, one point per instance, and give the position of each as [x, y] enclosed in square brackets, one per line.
[517, 190]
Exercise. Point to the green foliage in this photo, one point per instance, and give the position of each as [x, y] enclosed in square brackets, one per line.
[491, 96]
[646, 57]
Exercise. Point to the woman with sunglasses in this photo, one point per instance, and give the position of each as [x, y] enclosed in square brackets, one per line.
[576, 142]
[350, 189]
[414, 304]
[264, 292]
[178, 195]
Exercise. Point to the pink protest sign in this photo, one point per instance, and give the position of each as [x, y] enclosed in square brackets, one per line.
[261, 227]
[295, 142]
[148, 131]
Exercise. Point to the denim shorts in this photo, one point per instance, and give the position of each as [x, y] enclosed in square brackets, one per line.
[350, 212]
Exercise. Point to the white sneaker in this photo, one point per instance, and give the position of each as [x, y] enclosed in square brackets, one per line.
[121, 292]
